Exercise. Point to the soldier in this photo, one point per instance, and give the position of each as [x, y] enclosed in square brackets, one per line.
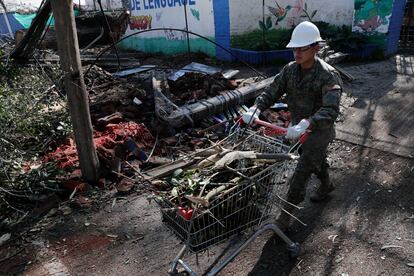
[313, 91]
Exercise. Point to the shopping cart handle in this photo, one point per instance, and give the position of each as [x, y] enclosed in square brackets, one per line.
[277, 130]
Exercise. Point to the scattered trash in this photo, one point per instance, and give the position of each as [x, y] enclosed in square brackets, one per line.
[137, 102]
[125, 186]
[196, 68]
[4, 238]
[391, 246]
[410, 217]
[66, 210]
[332, 237]
[339, 259]
[114, 118]
[140, 69]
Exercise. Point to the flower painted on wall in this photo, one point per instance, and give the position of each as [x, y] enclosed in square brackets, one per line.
[298, 8]
[279, 12]
[300, 12]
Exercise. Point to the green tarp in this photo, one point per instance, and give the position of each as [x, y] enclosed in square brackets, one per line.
[26, 19]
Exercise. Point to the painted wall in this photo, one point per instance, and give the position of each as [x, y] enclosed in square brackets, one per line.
[152, 14]
[246, 14]
[372, 16]
[248, 24]
[258, 27]
[107, 4]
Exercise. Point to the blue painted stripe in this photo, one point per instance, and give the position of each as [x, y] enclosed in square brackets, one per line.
[222, 27]
[394, 28]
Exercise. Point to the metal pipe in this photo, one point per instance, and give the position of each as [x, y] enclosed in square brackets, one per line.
[186, 28]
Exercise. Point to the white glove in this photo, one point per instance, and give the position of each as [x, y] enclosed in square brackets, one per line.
[294, 132]
[247, 117]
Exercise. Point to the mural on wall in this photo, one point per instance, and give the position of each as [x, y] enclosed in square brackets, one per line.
[196, 14]
[279, 12]
[372, 16]
[153, 14]
[142, 22]
[274, 31]
[293, 14]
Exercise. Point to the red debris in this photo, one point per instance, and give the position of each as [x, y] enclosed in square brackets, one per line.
[125, 186]
[72, 184]
[105, 142]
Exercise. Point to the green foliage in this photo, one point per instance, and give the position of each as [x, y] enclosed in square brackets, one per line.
[5, 70]
[274, 39]
[266, 26]
[32, 115]
[341, 38]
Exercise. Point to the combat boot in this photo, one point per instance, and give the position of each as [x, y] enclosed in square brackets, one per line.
[284, 219]
[323, 190]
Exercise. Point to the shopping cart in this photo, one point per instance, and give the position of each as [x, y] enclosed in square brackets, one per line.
[246, 207]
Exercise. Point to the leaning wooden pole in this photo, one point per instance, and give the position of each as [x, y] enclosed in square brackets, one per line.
[68, 48]
[24, 50]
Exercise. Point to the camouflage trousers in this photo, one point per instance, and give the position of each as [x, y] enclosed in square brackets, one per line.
[312, 160]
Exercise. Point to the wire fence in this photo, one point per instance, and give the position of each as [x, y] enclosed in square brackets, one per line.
[407, 28]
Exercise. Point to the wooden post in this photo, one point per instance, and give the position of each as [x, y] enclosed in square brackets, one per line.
[75, 88]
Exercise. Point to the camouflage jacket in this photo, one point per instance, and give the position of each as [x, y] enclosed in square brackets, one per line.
[312, 95]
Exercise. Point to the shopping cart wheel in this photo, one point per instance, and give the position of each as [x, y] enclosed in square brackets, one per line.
[294, 250]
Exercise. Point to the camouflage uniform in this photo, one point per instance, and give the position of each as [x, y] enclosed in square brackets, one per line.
[312, 95]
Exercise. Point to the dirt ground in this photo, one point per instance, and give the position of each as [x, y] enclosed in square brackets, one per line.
[365, 228]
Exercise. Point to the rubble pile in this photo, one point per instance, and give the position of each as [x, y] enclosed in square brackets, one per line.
[127, 134]
[106, 141]
[194, 86]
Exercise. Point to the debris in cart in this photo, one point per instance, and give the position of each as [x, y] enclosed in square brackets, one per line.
[204, 207]
[239, 155]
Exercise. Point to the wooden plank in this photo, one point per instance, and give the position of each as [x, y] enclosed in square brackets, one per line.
[167, 169]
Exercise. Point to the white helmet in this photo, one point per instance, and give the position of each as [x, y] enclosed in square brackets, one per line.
[304, 34]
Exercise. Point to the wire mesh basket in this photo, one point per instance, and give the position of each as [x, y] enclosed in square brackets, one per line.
[239, 207]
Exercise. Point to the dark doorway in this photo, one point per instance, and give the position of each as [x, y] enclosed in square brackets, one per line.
[407, 28]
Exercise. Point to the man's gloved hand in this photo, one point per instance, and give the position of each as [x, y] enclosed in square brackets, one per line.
[294, 132]
[247, 117]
